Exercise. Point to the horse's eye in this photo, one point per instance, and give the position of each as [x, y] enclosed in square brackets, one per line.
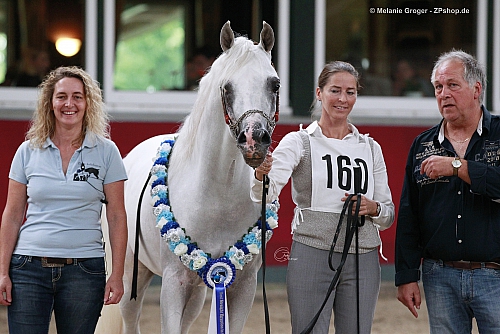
[227, 88]
[276, 86]
[273, 84]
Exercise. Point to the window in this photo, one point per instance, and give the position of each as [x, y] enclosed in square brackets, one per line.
[394, 43]
[396, 35]
[151, 34]
[36, 36]
[157, 50]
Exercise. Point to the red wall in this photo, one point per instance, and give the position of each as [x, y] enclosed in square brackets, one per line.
[395, 142]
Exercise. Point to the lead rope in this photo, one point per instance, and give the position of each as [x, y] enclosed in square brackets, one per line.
[361, 223]
[133, 291]
[352, 227]
[265, 189]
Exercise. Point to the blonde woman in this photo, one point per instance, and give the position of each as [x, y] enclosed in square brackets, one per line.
[51, 252]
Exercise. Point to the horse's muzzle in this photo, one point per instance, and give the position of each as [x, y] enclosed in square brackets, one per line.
[255, 160]
[254, 145]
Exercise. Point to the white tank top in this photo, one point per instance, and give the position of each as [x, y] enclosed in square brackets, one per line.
[334, 166]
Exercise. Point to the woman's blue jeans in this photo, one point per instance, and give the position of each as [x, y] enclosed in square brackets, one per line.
[455, 296]
[74, 292]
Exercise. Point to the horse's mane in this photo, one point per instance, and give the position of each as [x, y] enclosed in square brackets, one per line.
[209, 98]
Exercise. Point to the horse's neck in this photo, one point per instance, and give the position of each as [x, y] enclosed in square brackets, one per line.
[209, 151]
[212, 175]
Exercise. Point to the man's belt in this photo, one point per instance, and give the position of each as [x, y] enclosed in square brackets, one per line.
[53, 262]
[471, 265]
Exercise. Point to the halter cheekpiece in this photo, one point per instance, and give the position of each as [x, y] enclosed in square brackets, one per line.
[235, 126]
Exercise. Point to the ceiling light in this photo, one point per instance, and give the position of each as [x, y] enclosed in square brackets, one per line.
[68, 46]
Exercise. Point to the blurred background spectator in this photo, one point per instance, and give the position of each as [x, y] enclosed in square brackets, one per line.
[197, 66]
[30, 72]
[407, 81]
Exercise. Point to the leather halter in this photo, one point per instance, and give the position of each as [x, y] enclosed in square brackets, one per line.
[235, 126]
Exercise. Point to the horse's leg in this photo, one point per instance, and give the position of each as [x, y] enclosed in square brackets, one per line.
[240, 296]
[173, 300]
[131, 309]
[177, 286]
[194, 307]
[110, 321]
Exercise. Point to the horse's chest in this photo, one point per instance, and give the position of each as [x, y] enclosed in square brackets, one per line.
[219, 217]
[220, 202]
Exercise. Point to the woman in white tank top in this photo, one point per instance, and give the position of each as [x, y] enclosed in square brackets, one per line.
[322, 160]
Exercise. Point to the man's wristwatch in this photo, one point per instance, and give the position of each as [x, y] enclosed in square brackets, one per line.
[456, 163]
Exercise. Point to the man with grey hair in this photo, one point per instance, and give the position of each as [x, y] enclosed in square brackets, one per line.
[449, 213]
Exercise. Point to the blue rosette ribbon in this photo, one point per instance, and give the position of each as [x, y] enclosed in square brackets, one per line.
[219, 276]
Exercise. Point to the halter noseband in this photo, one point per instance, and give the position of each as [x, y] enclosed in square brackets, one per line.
[235, 126]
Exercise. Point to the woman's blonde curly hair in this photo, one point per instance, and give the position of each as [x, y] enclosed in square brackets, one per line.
[95, 120]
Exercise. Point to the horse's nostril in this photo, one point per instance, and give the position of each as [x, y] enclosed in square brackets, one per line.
[242, 138]
[262, 136]
[266, 138]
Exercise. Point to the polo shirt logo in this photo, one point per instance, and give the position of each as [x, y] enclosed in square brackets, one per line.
[83, 174]
[490, 153]
[427, 149]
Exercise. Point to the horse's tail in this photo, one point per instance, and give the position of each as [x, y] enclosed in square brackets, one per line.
[110, 321]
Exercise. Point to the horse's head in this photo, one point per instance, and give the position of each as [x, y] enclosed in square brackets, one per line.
[249, 93]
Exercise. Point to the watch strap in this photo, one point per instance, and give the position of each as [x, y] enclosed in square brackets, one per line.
[455, 169]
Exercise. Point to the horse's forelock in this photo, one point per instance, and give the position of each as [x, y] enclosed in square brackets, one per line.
[242, 52]
[223, 69]
[219, 74]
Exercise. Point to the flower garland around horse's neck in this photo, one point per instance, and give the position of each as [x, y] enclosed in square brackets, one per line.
[180, 243]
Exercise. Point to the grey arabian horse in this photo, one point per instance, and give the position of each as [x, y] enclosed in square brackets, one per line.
[226, 135]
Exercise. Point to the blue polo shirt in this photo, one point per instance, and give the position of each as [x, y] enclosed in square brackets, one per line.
[63, 214]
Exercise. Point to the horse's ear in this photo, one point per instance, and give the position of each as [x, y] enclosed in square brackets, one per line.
[267, 37]
[226, 37]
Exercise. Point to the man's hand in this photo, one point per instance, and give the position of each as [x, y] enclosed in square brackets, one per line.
[409, 295]
[436, 166]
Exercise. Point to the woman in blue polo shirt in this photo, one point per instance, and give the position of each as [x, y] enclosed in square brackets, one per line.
[59, 179]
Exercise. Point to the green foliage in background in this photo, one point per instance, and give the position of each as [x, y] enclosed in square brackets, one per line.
[153, 60]
[3, 55]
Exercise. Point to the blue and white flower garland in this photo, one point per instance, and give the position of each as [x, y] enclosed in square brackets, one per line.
[181, 245]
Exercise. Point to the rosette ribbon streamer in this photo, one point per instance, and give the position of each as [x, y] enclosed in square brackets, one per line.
[218, 311]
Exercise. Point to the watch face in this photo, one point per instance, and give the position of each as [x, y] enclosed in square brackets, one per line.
[456, 163]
